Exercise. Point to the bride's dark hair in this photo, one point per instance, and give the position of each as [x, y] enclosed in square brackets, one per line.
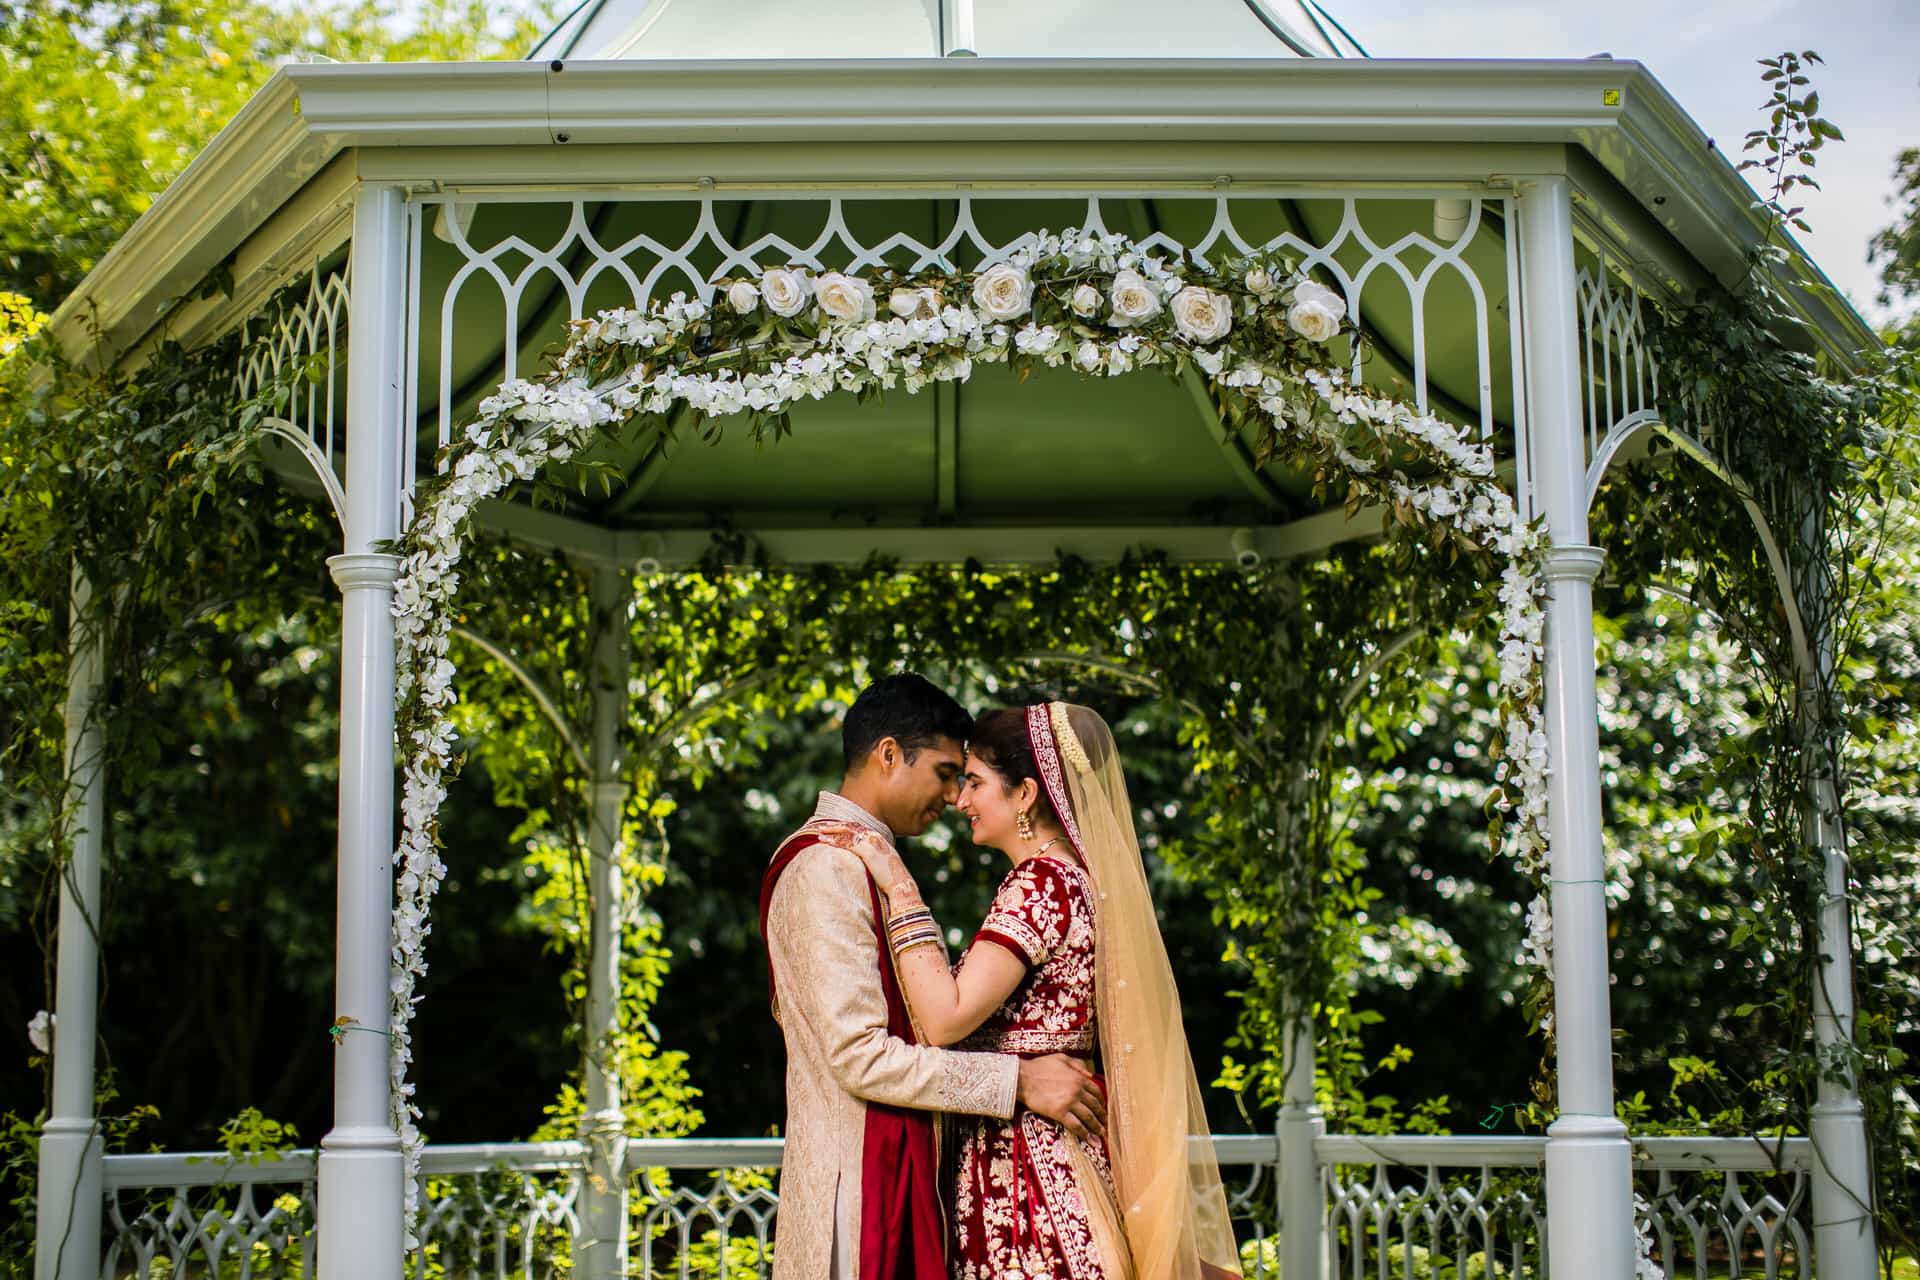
[1000, 739]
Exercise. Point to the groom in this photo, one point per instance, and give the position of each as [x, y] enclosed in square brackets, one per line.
[859, 1193]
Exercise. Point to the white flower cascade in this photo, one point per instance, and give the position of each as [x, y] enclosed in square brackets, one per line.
[1121, 309]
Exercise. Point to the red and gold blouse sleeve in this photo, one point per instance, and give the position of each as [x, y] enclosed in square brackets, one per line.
[1031, 912]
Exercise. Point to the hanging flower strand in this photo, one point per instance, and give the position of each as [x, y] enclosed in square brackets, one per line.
[1094, 302]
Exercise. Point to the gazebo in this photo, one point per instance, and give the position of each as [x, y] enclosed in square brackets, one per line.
[422, 233]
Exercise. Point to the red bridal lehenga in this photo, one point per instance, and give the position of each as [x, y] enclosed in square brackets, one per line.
[1028, 1201]
[1027, 1197]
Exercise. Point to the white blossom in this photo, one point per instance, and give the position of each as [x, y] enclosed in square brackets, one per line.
[1035, 339]
[1004, 291]
[1316, 312]
[1644, 1267]
[786, 290]
[914, 304]
[1133, 298]
[1201, 314]
[844, 297]
[743, 297]
[40, 1031]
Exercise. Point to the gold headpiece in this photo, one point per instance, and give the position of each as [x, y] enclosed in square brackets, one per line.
[1069, 741]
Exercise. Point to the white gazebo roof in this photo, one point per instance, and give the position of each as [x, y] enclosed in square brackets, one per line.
[783, 29]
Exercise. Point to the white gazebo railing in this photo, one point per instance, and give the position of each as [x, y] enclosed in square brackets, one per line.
[1408, 1208]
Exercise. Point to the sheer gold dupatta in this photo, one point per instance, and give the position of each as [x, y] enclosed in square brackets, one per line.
[1171, 1201]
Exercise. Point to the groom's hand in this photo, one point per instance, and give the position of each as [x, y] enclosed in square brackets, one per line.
[1062, 1090]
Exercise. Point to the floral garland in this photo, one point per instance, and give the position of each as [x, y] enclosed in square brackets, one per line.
[1091, 301]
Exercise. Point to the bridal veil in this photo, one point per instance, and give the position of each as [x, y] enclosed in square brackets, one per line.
[1171, 1201]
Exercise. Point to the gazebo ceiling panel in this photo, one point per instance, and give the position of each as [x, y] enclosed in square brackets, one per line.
[1060, 442]
[1055, 448]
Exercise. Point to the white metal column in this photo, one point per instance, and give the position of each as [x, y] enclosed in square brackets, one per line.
[68, 1210]
[603, 1219]
[1589, 1161]
[361, 1175]
[1303, 1208]
[1843, 1232]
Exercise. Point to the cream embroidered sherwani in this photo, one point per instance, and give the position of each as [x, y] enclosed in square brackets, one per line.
[833, 1012]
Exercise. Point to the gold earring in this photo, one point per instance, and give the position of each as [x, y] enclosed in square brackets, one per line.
[1024, 822]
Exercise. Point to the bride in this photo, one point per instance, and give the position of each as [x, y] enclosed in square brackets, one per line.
[1068, 960]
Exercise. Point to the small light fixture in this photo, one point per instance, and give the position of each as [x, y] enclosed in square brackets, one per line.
[1245, 553]
[454, 216]
[648, 550]
[1450, 217]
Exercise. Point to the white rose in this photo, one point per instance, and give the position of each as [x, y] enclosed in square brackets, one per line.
[1312, 291]
[1316, 312]
[1134, 299]
[1087, 357]
[40, 1031]
[1003, 291]
[1312, 320]
[1259, 282]
[742, 296]
[844, 297]
[1086, 300]
[786, 291]
[914, 304]
[1202, 314]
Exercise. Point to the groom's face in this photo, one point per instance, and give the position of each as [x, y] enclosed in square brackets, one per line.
[920, 789]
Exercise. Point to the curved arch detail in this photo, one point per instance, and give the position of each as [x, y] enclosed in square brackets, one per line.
[1649, 422]
[542, 697]
[322, 467]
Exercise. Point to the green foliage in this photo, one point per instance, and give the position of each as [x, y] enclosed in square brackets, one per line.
[250, 1138]
[1896, 248]
[1793, 137]
[1824, 456]
[103, 102]
[20, 1166]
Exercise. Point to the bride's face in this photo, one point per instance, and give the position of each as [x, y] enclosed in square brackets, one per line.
[989, 805]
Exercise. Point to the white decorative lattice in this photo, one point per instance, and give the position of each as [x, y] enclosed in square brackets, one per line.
[1397, 1208]
[649, 266]
[265, 1228]
[1618, 376]
[302, 332]
[1699, 1218]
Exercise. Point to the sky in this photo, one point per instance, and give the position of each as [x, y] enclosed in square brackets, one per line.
[1706, 52]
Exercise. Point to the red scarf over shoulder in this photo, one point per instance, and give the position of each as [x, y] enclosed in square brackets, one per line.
[902, 1231]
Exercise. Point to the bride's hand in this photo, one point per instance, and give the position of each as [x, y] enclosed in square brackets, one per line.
[884, 864]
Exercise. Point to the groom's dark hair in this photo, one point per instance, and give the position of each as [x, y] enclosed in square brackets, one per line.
[908, 708]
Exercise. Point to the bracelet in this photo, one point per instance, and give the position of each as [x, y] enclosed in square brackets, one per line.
[900, 942]
[903, 931]
[925, 937]
[901, 920]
